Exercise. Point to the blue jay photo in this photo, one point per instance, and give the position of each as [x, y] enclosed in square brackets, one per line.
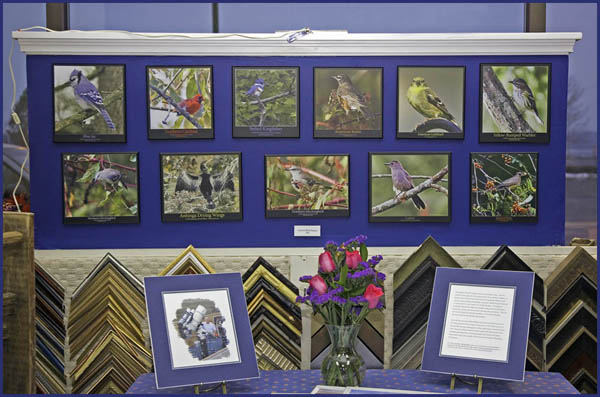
[257, 88]
[88, 96]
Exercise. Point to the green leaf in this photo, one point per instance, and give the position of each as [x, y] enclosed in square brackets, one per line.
[343, 275]
[191, 89]
[364, 252]
[90, 173]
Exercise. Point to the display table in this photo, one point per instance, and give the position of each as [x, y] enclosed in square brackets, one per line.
[305, 381]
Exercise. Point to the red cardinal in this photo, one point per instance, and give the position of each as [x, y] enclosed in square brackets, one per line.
[192, 105]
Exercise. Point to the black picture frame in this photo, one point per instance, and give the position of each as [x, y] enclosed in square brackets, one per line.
[101, 219]
[503, 218]
[265, 131]
[411, 218]
[415, 134]
[175, 133]
[199, 216]
[90, 136]
[515, 137]
[332, 133]
[300, 213]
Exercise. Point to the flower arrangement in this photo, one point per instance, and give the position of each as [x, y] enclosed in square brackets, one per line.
[347, 286]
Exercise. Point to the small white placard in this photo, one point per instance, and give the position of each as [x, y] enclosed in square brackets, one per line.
[478, 322]
[307, 230]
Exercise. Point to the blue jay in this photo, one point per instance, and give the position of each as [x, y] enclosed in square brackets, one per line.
[257, 88]
[109, 176]
[87, 95]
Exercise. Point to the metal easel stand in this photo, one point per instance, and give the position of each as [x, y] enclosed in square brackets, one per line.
[478, 382]
[198, 388]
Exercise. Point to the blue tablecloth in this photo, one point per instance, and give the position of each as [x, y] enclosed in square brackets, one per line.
[305, 381]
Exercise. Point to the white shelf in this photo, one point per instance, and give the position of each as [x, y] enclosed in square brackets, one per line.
[319, 43]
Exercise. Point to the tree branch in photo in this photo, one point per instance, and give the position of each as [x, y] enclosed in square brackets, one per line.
[331, 203]
[271, 98]
[439, 188]
[438, 123]
[84, 114]
[90, 77]
[176, 106]
[500, 106]
[376, 176]
[283, 193]
[386, 205]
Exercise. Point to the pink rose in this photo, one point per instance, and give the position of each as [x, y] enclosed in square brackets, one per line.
[372, 295]
[326, 263]
[353, 259]
[318, 284]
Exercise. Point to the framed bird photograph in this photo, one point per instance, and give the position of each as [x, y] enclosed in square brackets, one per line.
[504, 187]
[180, 102]
[348, 102]
[431, 102]
[100, 187]
[265, 102]
[515, 103]
[300, 186]
[89, 103]
[410, 187]
[201, 186]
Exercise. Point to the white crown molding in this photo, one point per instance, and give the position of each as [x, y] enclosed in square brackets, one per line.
[319, 43]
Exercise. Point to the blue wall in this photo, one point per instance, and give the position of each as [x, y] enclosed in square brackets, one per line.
[255, 230]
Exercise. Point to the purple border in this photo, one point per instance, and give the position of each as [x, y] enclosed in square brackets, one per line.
[168, 377]
[514, 369]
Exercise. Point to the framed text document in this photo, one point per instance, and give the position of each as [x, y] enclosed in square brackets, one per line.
[479, 323]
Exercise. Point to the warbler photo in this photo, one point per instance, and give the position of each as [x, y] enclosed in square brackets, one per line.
[180, 102]
[514, 103]
[201, 186]
[348, 102]
[100, 187]
[431, 102]
[89, 103]
[504, 187]
[409, 187]
[265, 102]
[307, 185]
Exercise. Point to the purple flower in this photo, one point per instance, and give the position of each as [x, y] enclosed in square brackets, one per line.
[375, 260]
[381, 276]
[305, 278]
[330, 242]
[379, 305]
[357, 299]
[362, 273]
[361, 238]
[338, 299]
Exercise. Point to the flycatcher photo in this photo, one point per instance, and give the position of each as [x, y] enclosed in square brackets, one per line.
[265, 102]
[180, 102]
[348, 102]
[515, 103]
[504, 187]
[307, 186]
[100, 188]
[201, 186]
[431, 102]
[409, 187]
[89, 103]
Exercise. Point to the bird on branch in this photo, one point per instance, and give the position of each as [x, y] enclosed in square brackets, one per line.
[191, 105]
[189, 179]
[88, 97]
[300, 180]
[257, 88]
[107, 177]
[524, 98]
[514, 180]
[350, 97]
[425, 101]
[402, 182]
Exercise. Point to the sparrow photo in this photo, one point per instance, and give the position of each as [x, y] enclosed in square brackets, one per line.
[265, 102]
[89, 103]
[431, 102]
[180, 102]
[515, 103]
[201, 186]
[348, 102]
[409, 187]
[307, 186]
[504, 187]
[100, 188]
[200, 328]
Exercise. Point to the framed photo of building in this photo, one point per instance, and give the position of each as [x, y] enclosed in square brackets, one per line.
[312, 185]
[348, 102]
[100, 187]
[89, 103]
[504, 187]
[201, 186]
[431, 102]
[515, 103]
[180, 102]
[265, 102]
[410, 187]
[199, 328]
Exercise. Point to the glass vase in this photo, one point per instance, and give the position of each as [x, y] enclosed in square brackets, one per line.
[343, 366]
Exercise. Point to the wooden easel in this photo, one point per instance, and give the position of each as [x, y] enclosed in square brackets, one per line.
[478, 379]
[198, 388]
